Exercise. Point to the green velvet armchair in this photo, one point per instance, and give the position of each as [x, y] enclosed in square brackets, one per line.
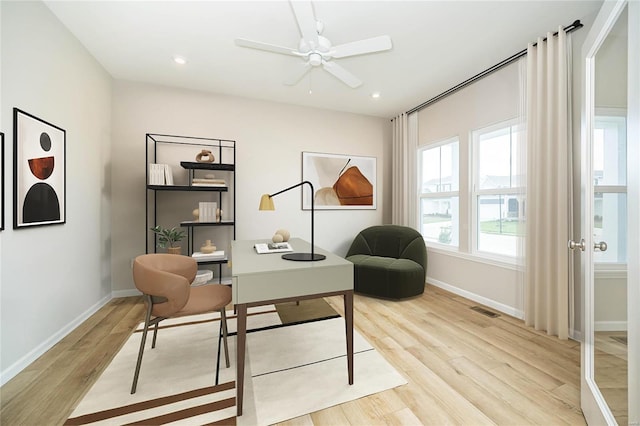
[390, 261]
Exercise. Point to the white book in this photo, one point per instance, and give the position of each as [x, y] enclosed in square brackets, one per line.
[207, 211]
[168, 174]
[216, 255]
[262, 248]
[156, 174]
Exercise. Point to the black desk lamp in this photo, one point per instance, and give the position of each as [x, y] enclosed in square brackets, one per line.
[266, 203]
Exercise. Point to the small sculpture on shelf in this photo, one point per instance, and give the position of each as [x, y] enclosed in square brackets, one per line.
[219, 215]
[205, 156]
[196, 215]
[208, 247]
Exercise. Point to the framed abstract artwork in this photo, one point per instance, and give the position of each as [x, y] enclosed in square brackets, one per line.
[339, 181]
[2, 180]
[39, 171]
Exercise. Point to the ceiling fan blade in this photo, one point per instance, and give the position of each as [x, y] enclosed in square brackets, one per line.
[342, 74]
[298, 73]
[266, 46]
[306, 22]
[369, 45]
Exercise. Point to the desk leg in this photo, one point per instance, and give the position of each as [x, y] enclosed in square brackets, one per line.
[348, 320]
[240, 350]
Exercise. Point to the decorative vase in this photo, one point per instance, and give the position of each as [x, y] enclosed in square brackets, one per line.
[208, 247]
[174, 250]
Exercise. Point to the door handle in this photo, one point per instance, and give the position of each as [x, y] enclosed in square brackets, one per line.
[581, 245]
[602, 246]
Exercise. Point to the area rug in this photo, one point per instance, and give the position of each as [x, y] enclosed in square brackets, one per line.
[291, 370]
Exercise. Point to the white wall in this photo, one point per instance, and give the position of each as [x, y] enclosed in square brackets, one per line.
[270, 139]
[52, 277]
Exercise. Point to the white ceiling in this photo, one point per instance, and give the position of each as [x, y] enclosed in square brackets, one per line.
[436, 45]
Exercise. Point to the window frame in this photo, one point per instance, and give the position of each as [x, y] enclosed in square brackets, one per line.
[514, 125]
[438, 194]
[621, 115]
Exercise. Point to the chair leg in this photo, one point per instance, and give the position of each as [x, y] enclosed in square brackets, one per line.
[222, 336]
[155, 334]
[142, 343]
[218, 357]
[223, 319]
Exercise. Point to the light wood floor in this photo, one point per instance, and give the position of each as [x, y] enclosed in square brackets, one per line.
[462, 367]
[611, 372]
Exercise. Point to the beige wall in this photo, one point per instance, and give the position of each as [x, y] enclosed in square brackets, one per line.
[484, 103]
[270, 139]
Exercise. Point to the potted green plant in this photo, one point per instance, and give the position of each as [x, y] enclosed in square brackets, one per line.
[167, 238]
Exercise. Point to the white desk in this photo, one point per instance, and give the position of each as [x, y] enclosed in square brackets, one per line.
[263, 279]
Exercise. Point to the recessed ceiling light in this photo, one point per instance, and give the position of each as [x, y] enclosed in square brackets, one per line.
[375, 95]
[179, 60]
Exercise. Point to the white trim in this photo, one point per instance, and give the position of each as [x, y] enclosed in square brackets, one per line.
[610, 274]
[575, 335]
[485, 260]
[11, 371]
[125, 293]
[610, 326]
[509, 310]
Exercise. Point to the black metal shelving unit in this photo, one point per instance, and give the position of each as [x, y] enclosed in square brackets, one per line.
[174, 150]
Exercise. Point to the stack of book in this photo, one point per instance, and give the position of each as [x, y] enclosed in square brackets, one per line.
[207, 211]
[160, 174]
[203, 257]
[208, 182]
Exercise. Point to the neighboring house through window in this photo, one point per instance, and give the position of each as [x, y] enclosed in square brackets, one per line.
[439, 199]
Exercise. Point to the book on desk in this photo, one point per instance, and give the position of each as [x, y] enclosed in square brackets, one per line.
[263, 248]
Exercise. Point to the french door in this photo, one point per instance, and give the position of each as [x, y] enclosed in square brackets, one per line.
[610, 210]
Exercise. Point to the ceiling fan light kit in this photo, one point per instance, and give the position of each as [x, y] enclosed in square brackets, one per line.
[317, 50]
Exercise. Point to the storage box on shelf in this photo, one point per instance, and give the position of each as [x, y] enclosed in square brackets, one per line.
[177, 185]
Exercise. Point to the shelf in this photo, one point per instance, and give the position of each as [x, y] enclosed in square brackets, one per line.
[191, 165]
[187, 188]
[188, 223]
[170, 150]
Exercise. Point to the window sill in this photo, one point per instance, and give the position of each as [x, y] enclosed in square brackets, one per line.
[501, 262]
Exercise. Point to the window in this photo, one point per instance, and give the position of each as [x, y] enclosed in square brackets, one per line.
[498, 201]
[609, 186]
[439, 186]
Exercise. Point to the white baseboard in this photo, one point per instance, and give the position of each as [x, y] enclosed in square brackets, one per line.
[125, 293]
[509, 310]
[610, 326]
[11, 371]
[575, 335]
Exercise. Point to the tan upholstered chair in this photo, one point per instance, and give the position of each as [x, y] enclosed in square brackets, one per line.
[165, 281]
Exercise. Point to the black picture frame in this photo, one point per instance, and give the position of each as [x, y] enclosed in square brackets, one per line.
[39, 172]
[2, 180]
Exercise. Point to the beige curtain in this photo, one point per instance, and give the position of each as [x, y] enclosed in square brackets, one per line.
[549, 195]
[404, 170]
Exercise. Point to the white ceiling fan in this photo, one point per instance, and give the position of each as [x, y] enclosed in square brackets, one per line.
[317, 50]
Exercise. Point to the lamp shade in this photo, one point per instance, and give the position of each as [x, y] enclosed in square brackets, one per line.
[266, 203]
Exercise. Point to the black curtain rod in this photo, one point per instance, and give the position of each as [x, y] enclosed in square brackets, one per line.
[568, 29]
